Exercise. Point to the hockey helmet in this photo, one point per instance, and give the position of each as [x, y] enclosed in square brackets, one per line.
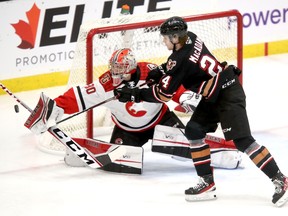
[174, 26]
[122, 63]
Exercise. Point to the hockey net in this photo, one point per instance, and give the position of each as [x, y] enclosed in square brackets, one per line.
[220, 31]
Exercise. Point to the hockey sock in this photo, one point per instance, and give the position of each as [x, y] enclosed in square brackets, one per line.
[200, 153]
[262, 158]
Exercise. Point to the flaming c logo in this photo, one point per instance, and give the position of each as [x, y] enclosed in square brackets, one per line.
[28, 31]
[135, 109]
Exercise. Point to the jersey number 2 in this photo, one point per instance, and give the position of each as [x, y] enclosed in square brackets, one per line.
[207, 63]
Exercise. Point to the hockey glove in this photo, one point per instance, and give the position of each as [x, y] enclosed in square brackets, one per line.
[155, 75]
[189, 101]
[45, 115]
[236, 70]
[126, 94]
[224, 64]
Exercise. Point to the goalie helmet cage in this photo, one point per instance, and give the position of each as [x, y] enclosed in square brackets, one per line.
[220, 31]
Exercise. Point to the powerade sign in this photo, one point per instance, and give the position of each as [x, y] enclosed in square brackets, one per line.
[267, 17]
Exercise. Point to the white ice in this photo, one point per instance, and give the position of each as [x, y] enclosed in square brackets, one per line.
[35, 183]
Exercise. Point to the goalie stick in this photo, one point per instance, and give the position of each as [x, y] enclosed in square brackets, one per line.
[85, 110]
[82, 153]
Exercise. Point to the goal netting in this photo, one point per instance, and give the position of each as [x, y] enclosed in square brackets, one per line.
[220, 31]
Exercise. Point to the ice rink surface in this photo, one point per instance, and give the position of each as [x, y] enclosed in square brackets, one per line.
[36, 183]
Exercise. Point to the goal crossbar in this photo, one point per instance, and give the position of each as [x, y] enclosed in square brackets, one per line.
[155, 23]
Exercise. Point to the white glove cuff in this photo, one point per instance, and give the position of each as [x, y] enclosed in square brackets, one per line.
[190, 98]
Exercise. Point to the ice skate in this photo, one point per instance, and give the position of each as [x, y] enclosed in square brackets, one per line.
[280, 196]
[204, 190]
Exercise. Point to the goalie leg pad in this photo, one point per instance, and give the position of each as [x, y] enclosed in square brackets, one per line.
[170, 140]
[121, 168]
[226, 158]
[72, 159]
[129, 160]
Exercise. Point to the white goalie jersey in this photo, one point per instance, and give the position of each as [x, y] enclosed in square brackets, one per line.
[129, 116]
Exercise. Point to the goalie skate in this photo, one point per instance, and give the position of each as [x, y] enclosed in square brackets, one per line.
[204, 190]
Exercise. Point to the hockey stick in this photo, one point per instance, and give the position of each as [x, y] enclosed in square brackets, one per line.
[16, 98]
[82, 153]
[92, 107]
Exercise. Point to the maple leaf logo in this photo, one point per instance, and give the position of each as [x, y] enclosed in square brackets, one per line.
[28, 31]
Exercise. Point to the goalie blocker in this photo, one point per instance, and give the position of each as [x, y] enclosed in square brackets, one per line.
[45, 115]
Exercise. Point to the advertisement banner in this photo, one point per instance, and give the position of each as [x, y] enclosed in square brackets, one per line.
[40, 36]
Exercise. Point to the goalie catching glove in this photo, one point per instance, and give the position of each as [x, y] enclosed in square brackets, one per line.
[189, 101]
[45, 115]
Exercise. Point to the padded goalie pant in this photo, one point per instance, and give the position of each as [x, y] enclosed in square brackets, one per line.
[120, 136]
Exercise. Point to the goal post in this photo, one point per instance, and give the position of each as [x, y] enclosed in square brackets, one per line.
[232, 17]
[220, 31]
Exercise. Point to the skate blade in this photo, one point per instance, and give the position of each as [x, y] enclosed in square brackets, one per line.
[210, 195]
[282, 200]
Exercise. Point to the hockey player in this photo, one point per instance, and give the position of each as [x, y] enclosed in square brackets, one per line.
[134, 122]
[192, 65]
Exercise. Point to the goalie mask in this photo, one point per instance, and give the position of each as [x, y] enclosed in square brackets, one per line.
[121, 64]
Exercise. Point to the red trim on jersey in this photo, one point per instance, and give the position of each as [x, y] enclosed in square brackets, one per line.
[215, 85]
[68, 102]
[106, 81]
[145, 68]
[178, 93]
